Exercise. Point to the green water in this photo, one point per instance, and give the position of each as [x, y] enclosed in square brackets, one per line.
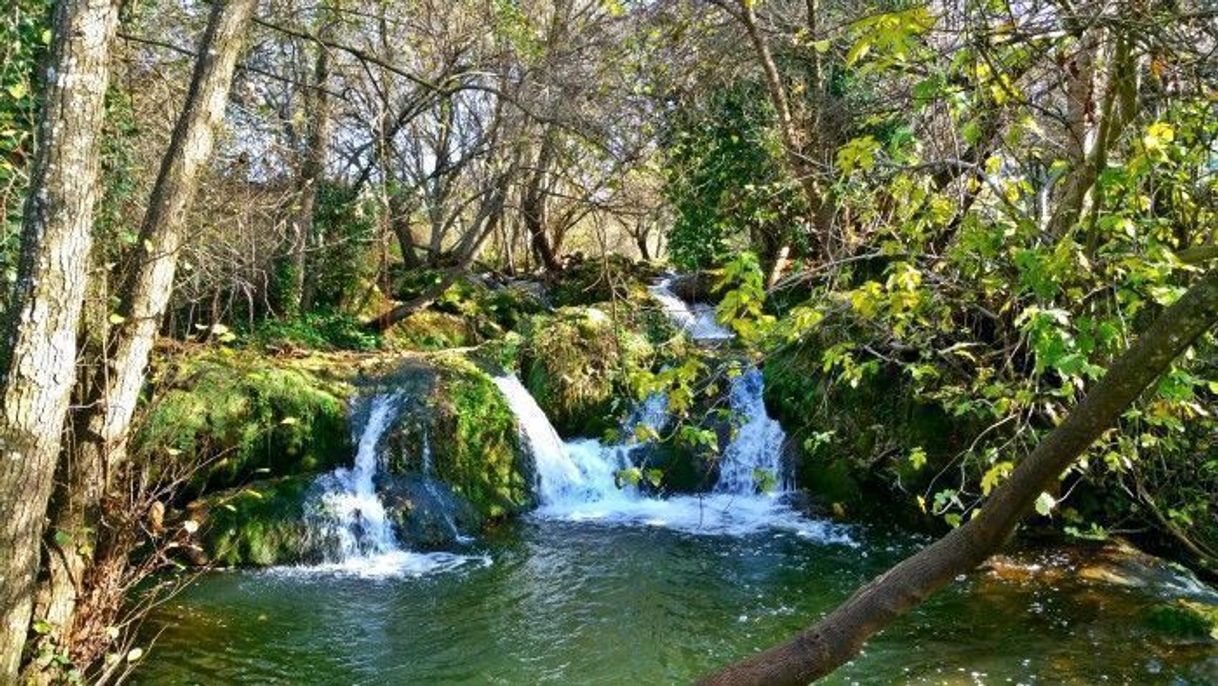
[571, 603]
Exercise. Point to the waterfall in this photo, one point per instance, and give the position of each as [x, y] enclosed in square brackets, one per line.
[349, 509]
[579, 480]
[697, 319]
[756, 449]
[347, 518]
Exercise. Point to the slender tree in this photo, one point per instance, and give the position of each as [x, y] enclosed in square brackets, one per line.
[37, 363]
[102, 426]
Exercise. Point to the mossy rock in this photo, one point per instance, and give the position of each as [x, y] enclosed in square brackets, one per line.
[613, 278]
[1184, 619]
[852, 443]
[426, 513]
[577, 363]
[261, 524]
[453, 409]
[242, 415]
[486, 305]
[429, 330]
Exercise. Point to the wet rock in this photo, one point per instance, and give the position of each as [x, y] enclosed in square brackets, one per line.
[454, 424]
[426, 513]
[698, 287]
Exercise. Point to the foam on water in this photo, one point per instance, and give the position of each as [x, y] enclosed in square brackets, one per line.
[580, 480]
[696, 319]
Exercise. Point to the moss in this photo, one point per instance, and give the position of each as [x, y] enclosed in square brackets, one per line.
[431, 330]
[850, 456]
[1184, 619]
[259, 525]
[576, 364]
[453, 408]
[241, 415]
[613, 278]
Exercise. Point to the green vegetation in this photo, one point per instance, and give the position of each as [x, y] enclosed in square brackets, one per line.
[260, 524]
[577, 364]
[240, 415]
[453, 410]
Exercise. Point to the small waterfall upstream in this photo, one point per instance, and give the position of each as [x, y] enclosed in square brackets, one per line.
[697, 319]
[347, 518]
[755, 453]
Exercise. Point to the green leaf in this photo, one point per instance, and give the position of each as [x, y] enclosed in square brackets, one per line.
[42, 627]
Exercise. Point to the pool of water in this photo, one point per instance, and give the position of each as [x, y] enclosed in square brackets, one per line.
[591, 603]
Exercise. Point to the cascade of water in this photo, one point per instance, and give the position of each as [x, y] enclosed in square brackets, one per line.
[698, 319]
[557, 475]
[348, 517]
[579, 480]
[755, 453]
[349, 511]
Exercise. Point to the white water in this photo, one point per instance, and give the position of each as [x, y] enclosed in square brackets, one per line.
[698, 319]
[578, 480]
[559, 476]
[349, 513]
[756, 448]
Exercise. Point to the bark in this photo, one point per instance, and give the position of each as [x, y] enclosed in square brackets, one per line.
[37, 362]
[826, 645]
[101, 430]
[400, 212]
[794, 145]
[533, 207]
[1079, 135]
[311, 171]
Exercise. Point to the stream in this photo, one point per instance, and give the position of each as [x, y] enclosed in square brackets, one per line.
[606, 584]
[566, 602]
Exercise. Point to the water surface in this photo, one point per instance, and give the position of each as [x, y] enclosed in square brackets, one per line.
[593, 603]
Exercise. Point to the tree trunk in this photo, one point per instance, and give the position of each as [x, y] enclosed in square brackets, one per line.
[101, 429]
[533, 207]
[38, 358]
[400, 212]
[311, 172]
[792, 139]
[488, 218]
[826, 645]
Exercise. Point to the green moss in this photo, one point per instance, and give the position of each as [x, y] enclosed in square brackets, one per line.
[242, 416]
[486, 311]
[1184, 619]
[576, 364]
[853, 442]
[258, 525]
[454, 408]
[613, 278]
[431, 330]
